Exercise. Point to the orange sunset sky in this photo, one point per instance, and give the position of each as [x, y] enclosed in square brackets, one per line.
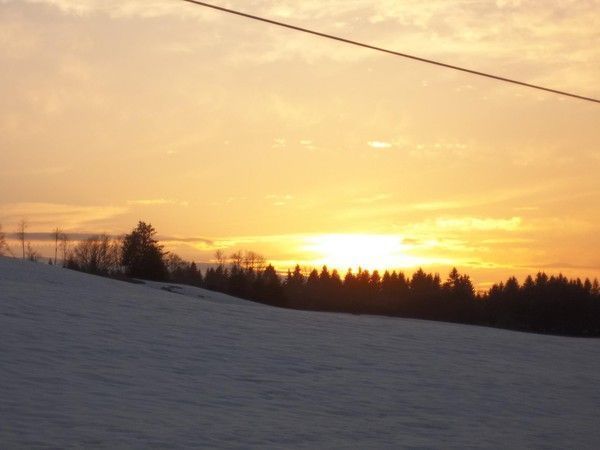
[226, 133]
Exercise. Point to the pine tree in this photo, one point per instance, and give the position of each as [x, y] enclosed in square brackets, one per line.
[142, 256]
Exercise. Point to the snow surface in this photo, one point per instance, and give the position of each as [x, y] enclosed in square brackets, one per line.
[89, 362]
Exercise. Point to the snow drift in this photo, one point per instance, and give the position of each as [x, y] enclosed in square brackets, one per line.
[92, 362]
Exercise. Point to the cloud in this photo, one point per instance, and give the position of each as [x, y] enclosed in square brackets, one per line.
[373, 198]
[557, 265]
[279, 143]
[188, 240]
[228, 201]
[527, 208]
[45, 215]
[551, 41]
[464, 235]
[308, 144]
[22, 48]
[437, 206]
[279, 200]
[36, 171]
[158, 202]
[379, 145]
[478, 224]
[126, 8]
[508, 3]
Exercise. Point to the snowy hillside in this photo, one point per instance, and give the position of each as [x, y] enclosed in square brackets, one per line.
[90, 362]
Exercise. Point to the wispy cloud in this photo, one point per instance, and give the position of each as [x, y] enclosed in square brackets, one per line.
[373, 198]
[228, 201]
[466, 224]
[46, 215]
[308, 144]
[126, 8]
[437, 206]
[379, 145]
[461, 27]
[35, 171]
[279, 143]
[279, 199]
[158, 202]
[208, 242]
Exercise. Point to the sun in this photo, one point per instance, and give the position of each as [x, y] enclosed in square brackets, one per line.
[368, 251]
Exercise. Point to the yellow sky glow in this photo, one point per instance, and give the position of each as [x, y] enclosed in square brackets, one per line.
[228, 134]
[360, 250]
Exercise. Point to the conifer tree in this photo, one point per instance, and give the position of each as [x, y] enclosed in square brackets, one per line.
[142, 256]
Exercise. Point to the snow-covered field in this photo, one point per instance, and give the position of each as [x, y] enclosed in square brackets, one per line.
[89, 362]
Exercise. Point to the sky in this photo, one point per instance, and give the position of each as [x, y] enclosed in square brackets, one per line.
[230, 134]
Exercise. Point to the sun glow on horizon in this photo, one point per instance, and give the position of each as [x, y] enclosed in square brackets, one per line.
[368, 251]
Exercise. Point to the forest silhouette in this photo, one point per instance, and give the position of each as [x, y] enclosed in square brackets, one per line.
[541, 304]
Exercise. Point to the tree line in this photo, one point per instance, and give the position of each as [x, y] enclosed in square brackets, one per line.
[543, 304]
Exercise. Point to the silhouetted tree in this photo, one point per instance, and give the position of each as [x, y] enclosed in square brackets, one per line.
[312, 295]
[99, 255]
[210, 281]
[175, 266]
[56, 234]
[142, 256]
[21, 234]
[331, 290]
[31, 254]
[458, 296]
[64, 247]
[294, 287]
[424, 294]
[3, 245]
[270, 290]
[181, 271]
[253, 261]
[238, 281]
[194, 275]
[220, 258]
[237, 259]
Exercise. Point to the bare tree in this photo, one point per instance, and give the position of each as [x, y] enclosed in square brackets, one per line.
[248, 260]
[97, 254]
[21, 229]
[174, 263]
[237, 259]
[116, 247]
[220, 258]
[254, 261]
[56, 234]
[64, 247]
[32, 255]
[3, 245]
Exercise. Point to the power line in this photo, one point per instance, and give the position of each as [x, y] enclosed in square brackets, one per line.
[388, 51]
